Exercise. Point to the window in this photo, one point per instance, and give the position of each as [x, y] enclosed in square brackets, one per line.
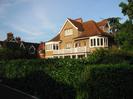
[52, 47]
[68, 45]
[94, 42]
[101, 41]
[77, 44]
[98, 42]
[68, 32]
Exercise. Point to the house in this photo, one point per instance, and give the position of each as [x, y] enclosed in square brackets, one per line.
[11, 42]
[77, 39]
[41, 50]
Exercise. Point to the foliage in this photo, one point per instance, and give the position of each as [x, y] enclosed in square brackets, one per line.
[69, 78]
[115, 24]
[110, 56]
[14, 53]
[127, 9]
[108, 81]
[124, 37]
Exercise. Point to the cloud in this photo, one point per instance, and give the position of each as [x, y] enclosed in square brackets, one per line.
[25, 29]
[31, 20]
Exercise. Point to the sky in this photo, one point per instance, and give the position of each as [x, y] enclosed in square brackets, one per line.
[41, 20]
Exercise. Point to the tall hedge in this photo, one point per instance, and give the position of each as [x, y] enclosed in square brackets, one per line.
[100, 76]
[43, 78]
[108, 81]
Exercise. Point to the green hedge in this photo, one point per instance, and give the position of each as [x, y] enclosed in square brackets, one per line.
[43, 78]
[69, 78]
[105, 74]
[108, 81]
[110, 56]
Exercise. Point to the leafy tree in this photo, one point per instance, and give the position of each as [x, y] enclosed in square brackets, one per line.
[115, 24]
[124, 37]
[127, 9]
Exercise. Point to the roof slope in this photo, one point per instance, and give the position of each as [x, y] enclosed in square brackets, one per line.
[102, 23]
[87, 29]
[77, 24]
[91, 29]
[56, 38]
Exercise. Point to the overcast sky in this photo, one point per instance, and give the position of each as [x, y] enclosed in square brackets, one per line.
[40, 20]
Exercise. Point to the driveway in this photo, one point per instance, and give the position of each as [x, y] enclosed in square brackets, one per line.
[10, 93]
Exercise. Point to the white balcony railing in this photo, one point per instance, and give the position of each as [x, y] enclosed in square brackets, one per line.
[71, 50]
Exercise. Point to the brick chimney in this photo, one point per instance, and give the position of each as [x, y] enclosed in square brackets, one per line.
[18, 39]
[79, 20]
[10, 36]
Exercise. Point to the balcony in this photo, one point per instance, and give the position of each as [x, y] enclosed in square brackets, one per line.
[71, 50]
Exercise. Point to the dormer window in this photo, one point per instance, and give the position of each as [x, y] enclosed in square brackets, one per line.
[68, 32]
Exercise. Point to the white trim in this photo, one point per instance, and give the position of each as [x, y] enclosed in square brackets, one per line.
[22, 45]
[103, 39]
[31, 48]
[57, 42]
[76, 39]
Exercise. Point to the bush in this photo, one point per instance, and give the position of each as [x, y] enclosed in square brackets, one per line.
[108, 81]
[72, 78]
[110, 56]
[43, 78]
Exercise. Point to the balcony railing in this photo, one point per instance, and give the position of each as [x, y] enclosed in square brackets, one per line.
[71, 50]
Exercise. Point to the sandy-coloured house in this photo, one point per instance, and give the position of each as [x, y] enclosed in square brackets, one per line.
[76, 39]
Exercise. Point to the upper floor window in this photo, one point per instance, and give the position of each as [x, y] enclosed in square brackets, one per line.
[68, 32]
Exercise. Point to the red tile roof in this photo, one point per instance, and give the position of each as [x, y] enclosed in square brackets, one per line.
[102, 23]
[87, 29]
[56, 38]
[91, 29]
[77, 24]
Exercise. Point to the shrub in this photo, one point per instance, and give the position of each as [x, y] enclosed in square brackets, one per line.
[110, 56]
[108, 81]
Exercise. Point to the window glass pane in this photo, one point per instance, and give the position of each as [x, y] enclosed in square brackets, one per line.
[54, 47]
[94, 42]
[101, 41]
[97, 41]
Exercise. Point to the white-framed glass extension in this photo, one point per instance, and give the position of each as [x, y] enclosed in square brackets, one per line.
[52, 46]
[97, 41]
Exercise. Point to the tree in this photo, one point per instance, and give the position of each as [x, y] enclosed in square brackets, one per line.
[127, 9]
[124, 37]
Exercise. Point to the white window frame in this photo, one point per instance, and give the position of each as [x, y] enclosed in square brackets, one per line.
[50, 46]
[97, 41]
[68, 32]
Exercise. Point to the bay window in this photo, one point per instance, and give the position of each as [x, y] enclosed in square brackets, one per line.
[98, 41]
